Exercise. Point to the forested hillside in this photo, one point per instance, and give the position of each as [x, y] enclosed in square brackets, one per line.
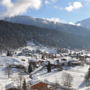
[16, 35]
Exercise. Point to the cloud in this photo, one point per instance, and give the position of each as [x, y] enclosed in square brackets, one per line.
[47, 2]
[54, 1]
[57, 7]
[54, 20]
[58, 20]
[71, 23]
[87, 0]
[7, 3]
[19, 7]
[50, 1]
[74, 6]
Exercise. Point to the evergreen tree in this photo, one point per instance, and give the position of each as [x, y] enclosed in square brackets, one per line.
[49, 67]
[59, 67]
[8, 53]
[30, 68]
[24, 87]
[42, 57]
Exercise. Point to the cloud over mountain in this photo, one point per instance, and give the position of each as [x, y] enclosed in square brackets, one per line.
[18, 7]
[73, 6]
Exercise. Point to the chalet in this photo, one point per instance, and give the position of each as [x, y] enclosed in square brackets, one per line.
[40, 86]
[63, 59]
[74, 63]
[12, 89]
[63, 62]
[19, 66]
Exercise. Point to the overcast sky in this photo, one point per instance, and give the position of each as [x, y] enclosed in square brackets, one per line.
[59, 10]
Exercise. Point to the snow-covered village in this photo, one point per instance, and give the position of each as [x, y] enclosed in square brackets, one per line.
[43, 68]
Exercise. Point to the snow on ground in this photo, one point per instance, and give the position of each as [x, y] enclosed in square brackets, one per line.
[78, 74]
[4, 80]
[8, 60]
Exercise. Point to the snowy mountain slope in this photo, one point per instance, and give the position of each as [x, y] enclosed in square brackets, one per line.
[85, 23]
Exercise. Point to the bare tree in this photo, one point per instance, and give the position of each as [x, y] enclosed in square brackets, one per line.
[29, 87]
[56, 86]
[67, 80]
[87, 77]
[18, 80]
[8, 70]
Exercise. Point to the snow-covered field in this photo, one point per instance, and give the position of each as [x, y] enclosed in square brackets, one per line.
[4, 80]
[78, 74]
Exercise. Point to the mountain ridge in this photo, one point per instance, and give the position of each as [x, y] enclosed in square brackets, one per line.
[43, 23]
